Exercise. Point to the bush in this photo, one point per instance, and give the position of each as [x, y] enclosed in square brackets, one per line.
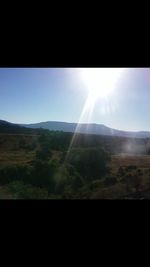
[12, 173]
[93, 186]
[110, 180]
[43, 175]
[67, 179]
[91, 163]
[43, 154]
[61, 179]
[131, 167]
[30, 147]
[21, 191]
[133, 181]
[63, 157]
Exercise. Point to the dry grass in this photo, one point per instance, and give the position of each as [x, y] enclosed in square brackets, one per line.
[141, 161]
[10, 151]
[16, 158]
[11, 154]
[116, 191]
[111, 192]
[4, 193]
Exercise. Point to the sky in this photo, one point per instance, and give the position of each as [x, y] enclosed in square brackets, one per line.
[31, 95]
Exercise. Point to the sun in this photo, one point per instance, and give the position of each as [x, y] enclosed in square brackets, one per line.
[100, 82]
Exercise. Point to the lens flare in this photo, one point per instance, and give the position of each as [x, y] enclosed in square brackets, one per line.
[101, 83]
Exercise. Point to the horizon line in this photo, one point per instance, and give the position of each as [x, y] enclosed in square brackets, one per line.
[133, 131]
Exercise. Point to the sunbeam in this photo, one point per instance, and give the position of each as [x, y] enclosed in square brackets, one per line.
[100, 83]
[86, 114]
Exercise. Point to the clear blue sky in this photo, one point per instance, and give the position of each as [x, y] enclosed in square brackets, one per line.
[58, 94]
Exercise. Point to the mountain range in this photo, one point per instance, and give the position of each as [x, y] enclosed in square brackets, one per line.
[13, 128]
[92, 128]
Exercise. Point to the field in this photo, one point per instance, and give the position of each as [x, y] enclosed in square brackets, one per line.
[20, 150]
[142, 162]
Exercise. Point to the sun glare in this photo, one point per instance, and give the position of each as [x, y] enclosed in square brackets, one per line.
[101, 82]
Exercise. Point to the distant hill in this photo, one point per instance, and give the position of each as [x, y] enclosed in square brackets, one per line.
[12, 128]
[98, 129]
[88, 135]
[6, 127]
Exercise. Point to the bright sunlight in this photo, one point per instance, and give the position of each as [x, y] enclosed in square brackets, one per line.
[101, 82]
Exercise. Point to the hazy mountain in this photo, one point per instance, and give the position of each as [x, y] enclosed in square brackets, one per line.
[98, 129]
[12, 128]
[6, 126]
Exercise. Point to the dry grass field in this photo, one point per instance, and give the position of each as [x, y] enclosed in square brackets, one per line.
[21, 150]
[119, 190]
[15, 150]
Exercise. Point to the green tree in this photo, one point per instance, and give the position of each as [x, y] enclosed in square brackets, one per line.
[43, 175]
[43, 154]
[91, 163]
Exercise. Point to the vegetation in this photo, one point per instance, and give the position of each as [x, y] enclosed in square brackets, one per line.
[40, 166]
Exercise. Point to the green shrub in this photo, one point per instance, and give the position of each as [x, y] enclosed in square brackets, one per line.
[91, 163]
[21, 191]
[42, 175]
[12, 173]
[43, 154]
[110, 180]
[131, 167]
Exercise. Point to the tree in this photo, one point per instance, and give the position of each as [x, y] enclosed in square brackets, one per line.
[15, 173]
[91, 163]
[43, 175]
[43, 154]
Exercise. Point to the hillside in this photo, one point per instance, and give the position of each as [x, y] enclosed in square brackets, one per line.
[98, 129]
[90, 129]
[37, 165]
[12, 128]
